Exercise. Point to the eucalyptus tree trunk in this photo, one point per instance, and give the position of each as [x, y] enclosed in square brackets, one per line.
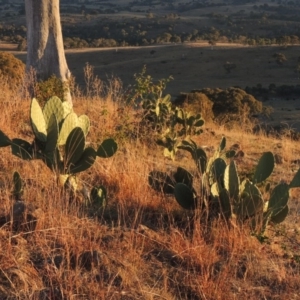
[45, 49]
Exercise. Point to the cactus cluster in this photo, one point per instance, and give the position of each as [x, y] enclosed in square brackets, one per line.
[182, 125]
[222, 187]
[156, 110]
[60, 138]
[191, 124]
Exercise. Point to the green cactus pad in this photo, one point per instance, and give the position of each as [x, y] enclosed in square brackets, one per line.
[53, 106]
[37, 120]
[21, 149]
[190, 120]
[167, 99]
[161, 182]
[264, 167]
[295, 183]
[280, 217]
[86, 160]
[67, 108]
[53, 161]
[183, 176]
[216, 172]
[199, 123]
[279, 198]
[189, 146]
[18, 186]
[232, 181]
[84, 124]
[222, 144]
[185, 196]
[4, 139]
[230, 154]
[215, 191]
[157, 109]
[251, 200]
[52, 135]
[98, 196]
[69, 123]
[180, 116]
[74, 147]
[107, 149]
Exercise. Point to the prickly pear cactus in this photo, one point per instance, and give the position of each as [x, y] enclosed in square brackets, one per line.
[221, 184]
[60, 138]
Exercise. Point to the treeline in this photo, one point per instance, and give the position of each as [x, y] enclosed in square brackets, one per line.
[138, 33]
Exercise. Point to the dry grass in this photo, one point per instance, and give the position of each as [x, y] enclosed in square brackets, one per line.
[202, 68]
[142, 245]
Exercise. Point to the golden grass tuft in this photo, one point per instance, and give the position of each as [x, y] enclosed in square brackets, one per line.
[142, 245]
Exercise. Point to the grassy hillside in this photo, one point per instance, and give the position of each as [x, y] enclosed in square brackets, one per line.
[143, 245]
[201, 67]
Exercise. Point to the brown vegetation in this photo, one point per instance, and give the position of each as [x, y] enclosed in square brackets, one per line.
[11, 69]
[142, 245]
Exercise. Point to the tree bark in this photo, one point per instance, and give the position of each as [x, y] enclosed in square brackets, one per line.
[45, 49]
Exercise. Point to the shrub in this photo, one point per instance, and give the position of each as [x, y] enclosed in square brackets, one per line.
[279, 58]
[223, 192]
[11, 68]
[53, 86]
[196, 102]
[231, 104]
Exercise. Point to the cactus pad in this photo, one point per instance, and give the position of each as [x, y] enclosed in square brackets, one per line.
[74, 147]
[37, 120]
[86, 160]
[69, 123]
[53, 106]
[185, 196]
[4, 140]
[107, 149]
[264, 167]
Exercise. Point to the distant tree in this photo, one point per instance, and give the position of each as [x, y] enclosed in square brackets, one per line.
[212, 43]
[279, 58]
[150, 15]
[164, 38]
[294, 39]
